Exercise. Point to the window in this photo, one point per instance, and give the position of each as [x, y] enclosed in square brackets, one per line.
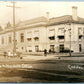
[80, 48]
[52, 34]
[36, 48]
[2, 40]
[36, 38]
[29, 34]
[10, 39]
[61, 37]
[52, 38]
[80, 36]
[80, 32]
[52, 48]
[61, 47]
[61, 31]
[22, 37]
[36, 35]
[29, 39]
[29, 48]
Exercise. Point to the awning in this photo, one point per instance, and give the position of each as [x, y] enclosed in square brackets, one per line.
[29, 38]
[36, 37]
[80, 36]
[61, 36]
[51, 36]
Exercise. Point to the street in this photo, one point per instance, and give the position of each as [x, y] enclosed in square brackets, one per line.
[43, 69]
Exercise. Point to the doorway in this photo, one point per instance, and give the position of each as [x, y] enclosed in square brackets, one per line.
[36, 48]
[61, 48]
[52, 48]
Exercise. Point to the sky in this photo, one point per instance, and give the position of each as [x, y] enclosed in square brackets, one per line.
[32, 9]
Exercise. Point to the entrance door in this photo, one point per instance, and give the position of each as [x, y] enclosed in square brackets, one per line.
[61, 47]
[80, 49]
[36, 48]
[52, 48]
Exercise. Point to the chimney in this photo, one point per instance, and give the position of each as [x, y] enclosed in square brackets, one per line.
[47, 15]
[74, 13]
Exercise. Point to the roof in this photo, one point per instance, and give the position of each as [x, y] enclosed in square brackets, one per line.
[33, 21]
[52, 21]
[64, 19]
[42, 21]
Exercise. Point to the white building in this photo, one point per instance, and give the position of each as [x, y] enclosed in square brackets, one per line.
[57, 34]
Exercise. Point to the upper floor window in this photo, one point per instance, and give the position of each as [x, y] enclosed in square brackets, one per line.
[52, 34]
[29, 39]
[36, 35]
[61, 31]
[36, 38]
[22, 37]
[2, 40]
[80, 36]
[29, 34]
[61, 37]
[10, 40]
[52, 38]
[80, 32]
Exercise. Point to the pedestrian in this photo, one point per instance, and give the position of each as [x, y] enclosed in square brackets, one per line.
[45, 52]
[49, 51]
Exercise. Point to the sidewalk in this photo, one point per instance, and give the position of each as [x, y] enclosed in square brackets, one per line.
[28, 57]
[59, 56]
[54, 57]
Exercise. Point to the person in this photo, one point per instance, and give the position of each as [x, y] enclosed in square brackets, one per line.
[45, 52]
[49, 51]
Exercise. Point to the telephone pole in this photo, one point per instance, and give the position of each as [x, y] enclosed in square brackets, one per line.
[14, 27]
[70, 37]
[14, 30]
[70, 41]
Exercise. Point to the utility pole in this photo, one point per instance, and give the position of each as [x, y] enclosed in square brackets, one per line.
[70, 41]
[70, 38]
[14, 28]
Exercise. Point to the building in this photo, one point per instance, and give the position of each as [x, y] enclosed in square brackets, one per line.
[55, 34]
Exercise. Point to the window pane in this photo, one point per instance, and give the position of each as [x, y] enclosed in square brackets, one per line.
[22, 37]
